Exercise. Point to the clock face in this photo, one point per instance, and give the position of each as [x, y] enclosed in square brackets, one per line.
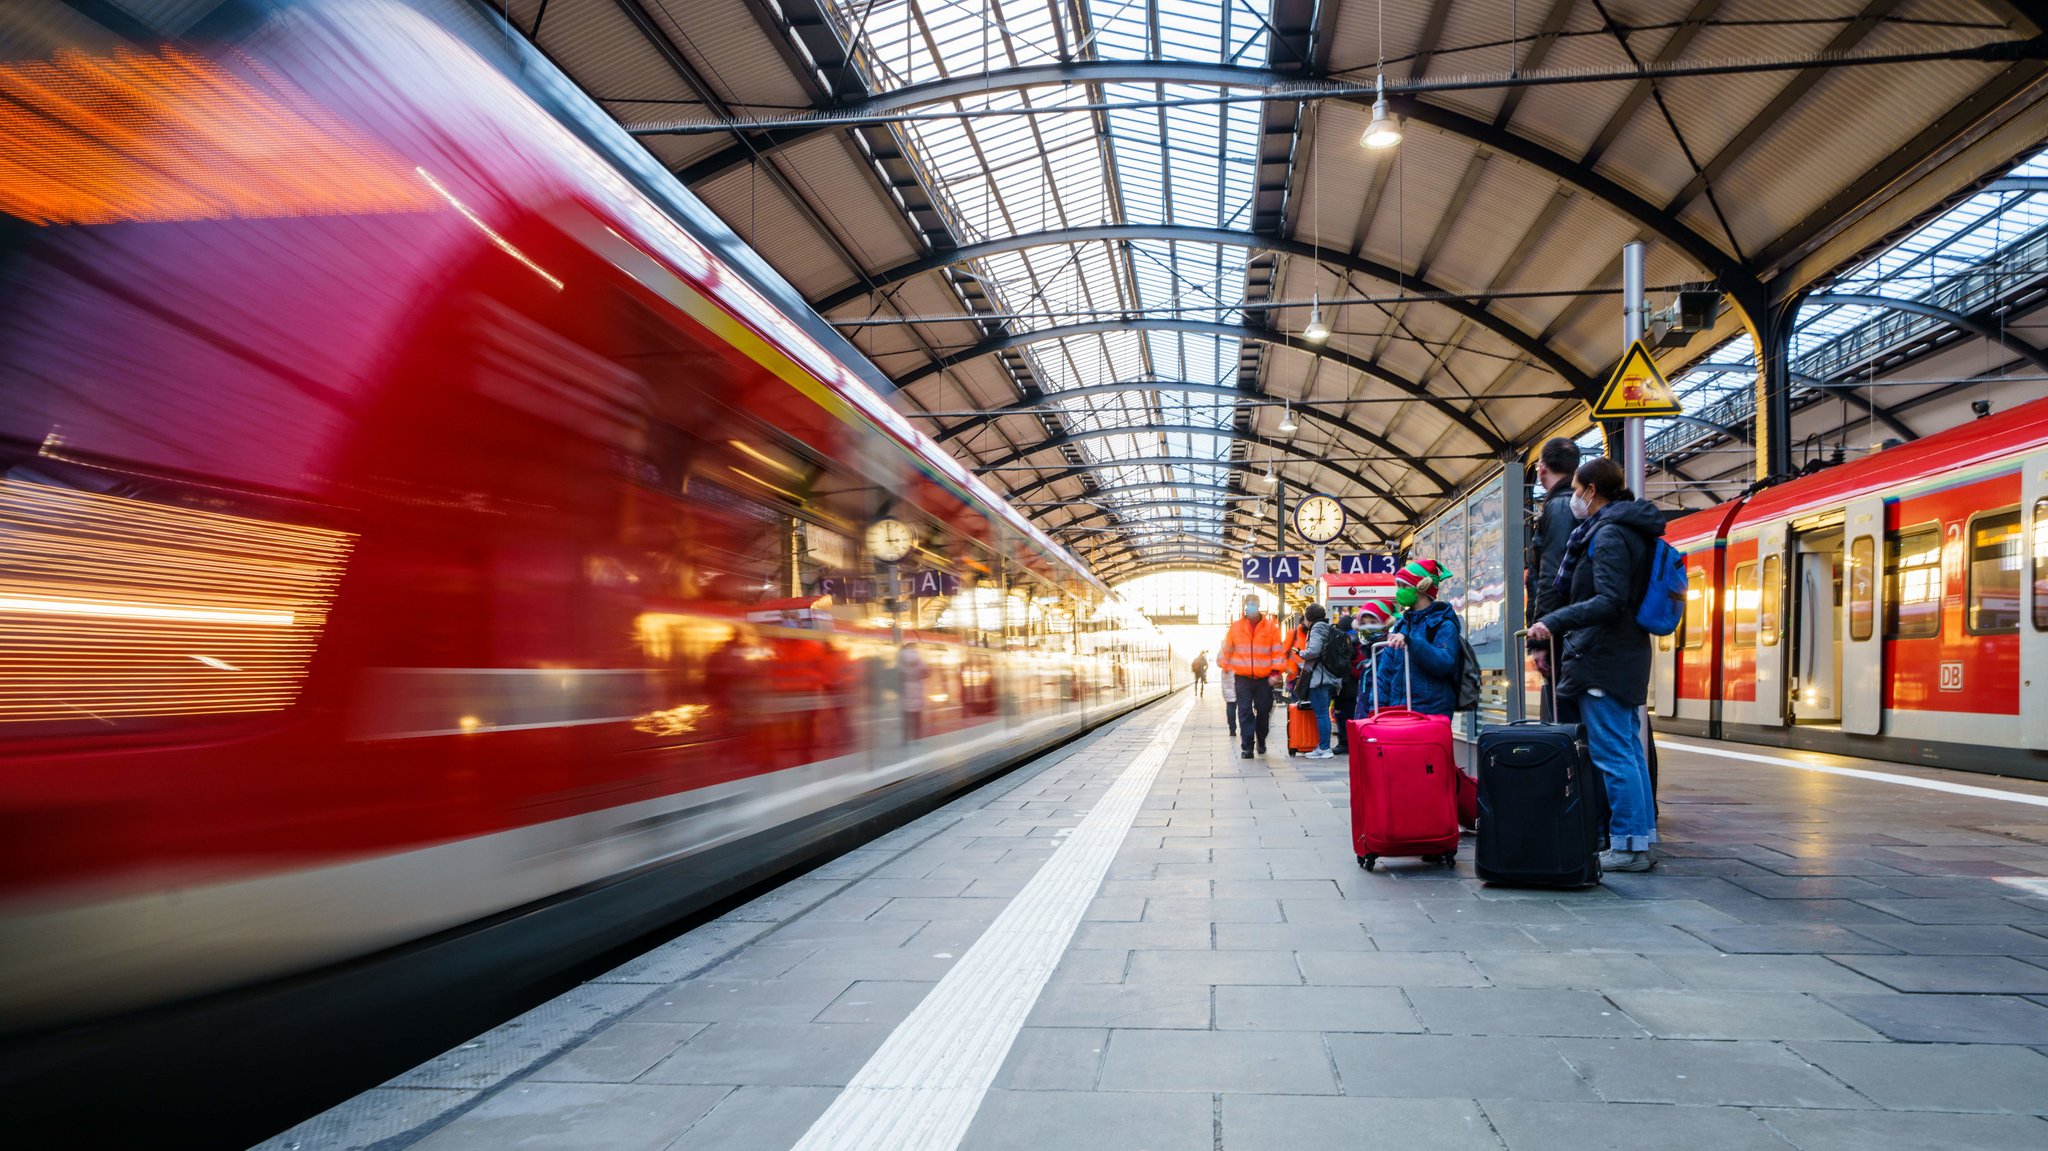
[1319, 519]
[890, 539]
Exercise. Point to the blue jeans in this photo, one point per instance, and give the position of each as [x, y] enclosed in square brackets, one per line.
[1614, 737]
[1319, 697]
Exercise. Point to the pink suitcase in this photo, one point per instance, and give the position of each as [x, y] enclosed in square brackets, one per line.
[1404, 786]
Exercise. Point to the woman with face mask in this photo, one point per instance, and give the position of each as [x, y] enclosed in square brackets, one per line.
[1419, 667]
[1605, 656]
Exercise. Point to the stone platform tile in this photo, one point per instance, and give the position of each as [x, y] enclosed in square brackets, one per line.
[1437, 1066]
[1363, 1009]
[1948, 1018]
[1048, 1120]
[1323, 1123]
[1978, 974]
[758, 1119]
[1738, 1015]
[1217, 967]
[1937, 1076]
[1865, 1130]
[1709, 1074]
[1528, 1126]
[1956, 939]
[620, 1053]
[1158, 1005]
[1533, 1011]
[1721, 971]
[792, 1000]
[1262, 1062]
[578, 1116]
[772, 1055]
[1389, 969]
[1588, 971]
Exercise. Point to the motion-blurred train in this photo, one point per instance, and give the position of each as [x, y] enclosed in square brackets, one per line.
[1895, 606]
[420, 521]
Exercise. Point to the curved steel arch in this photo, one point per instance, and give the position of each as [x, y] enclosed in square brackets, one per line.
[1975, 327]
[1064, 439]
[1095, 509]
[1133, 566]
[1079, 470]
[1008, 341]
[1146, 485]
[1310, 408]
[1581, 382]
[1708, 254]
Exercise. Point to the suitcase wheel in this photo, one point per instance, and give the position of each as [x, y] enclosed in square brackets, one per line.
[1366, 861]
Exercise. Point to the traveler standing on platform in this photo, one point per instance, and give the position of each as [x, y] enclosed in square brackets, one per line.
[1346, 697]
[1251, 653]
[1605, 655]
[1555, 466]
[1425, 639]
[1374, 616]
[1226, 684]
[1201, 669]
[1325, 659]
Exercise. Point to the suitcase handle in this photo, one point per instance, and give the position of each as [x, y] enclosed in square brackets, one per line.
[1407, 677]
[1556, 668]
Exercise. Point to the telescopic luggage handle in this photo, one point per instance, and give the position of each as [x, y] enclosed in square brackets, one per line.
[1407, 674]
[1550, 681]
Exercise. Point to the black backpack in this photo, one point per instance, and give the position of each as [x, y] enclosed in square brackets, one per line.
[1336, 656]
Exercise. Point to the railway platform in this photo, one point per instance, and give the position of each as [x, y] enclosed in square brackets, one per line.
[1142, 941]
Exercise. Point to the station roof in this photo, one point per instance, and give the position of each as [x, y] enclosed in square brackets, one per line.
[1085, 238]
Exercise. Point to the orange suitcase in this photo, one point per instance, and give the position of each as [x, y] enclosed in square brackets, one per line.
[1301, 729]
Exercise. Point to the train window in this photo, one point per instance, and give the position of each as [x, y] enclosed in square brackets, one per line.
[1767, 602]
[1994, 590]
[1742, 606]
[1862, 588]
[1912, 583]
[2041, 565]
[1692, 627]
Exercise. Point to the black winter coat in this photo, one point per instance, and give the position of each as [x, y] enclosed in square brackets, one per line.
[1547, 536]
[1601, 646]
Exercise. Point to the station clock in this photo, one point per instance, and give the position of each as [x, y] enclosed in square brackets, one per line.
[1319, 519]
[890, 539]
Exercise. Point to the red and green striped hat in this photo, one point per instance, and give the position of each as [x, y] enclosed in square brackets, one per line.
[1416, 575]
[1375, 612]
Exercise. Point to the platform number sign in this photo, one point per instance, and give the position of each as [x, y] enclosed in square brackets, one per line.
[1270, 569]
[1366, 563]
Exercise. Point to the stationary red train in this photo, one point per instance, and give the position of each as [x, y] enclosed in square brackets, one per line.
[420, 520]
[1895, 606]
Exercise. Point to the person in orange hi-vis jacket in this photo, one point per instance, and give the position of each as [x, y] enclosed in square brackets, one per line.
[1252, 652]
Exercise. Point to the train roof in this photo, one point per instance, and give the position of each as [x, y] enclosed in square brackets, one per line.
[2007, 433]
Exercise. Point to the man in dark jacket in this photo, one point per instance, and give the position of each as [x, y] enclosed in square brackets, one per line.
[1547, 537]
[1605, 655]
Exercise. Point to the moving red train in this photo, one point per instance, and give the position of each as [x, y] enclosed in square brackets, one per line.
[421, 521]
[1895, 606]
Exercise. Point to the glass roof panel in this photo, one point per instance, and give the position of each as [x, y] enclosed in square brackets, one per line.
[1165, 156]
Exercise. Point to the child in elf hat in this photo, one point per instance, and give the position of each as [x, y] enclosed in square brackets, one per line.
[1374, 617]
[1427, 633]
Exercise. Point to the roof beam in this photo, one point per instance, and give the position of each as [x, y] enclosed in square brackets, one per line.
[1245, 467]
[1090, 434]
[991, 346]
[1970, 324]
[1580, 380]
[1308, 408]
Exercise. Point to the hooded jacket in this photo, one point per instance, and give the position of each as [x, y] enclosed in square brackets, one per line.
[1600, 645]
[1432, 664]
[1547, 537]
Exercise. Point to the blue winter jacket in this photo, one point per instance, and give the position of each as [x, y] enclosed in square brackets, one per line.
[1433, 651]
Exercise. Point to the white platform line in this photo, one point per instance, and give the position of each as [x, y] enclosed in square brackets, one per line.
[1859, 773]
[922, 1089]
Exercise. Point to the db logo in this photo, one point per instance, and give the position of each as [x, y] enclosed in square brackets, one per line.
[1952, 676]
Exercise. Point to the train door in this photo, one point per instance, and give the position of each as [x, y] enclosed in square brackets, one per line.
[1664, 672]
[2034, 598]
[1815, 618]
[1862, 627]
[1770, 626]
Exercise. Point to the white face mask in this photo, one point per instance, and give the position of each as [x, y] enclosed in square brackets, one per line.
[1579, 509]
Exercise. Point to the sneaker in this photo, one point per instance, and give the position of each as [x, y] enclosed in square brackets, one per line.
[1626, 861]
[1262, 749]
[1244, 754]
[1319, 753]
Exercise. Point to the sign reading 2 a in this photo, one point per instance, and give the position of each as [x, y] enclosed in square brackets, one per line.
[1270, 569]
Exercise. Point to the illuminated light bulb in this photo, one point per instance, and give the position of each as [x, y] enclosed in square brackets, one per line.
[1316, 331]
[1287, 425]
[1385, 130]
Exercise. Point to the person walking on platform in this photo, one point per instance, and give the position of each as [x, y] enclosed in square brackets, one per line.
[1226, 685]
[1605, 655]
[1252, 654]
[1201, 669]
[1555, 466]
[1425, 640]
[1325, 659]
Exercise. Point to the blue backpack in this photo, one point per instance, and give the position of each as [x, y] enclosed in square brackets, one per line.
[1664, 596]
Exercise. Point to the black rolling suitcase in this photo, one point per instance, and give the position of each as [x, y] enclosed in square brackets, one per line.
[1542, 806]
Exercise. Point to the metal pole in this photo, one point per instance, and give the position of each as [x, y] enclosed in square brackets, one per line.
[1279, 545]
[1514, 524]
[1634, 314]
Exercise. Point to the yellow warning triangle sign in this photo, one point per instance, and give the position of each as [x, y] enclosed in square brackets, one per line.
[1636, 389]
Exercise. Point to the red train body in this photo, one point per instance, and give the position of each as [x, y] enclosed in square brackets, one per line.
[1895, 606]
[470, 528]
